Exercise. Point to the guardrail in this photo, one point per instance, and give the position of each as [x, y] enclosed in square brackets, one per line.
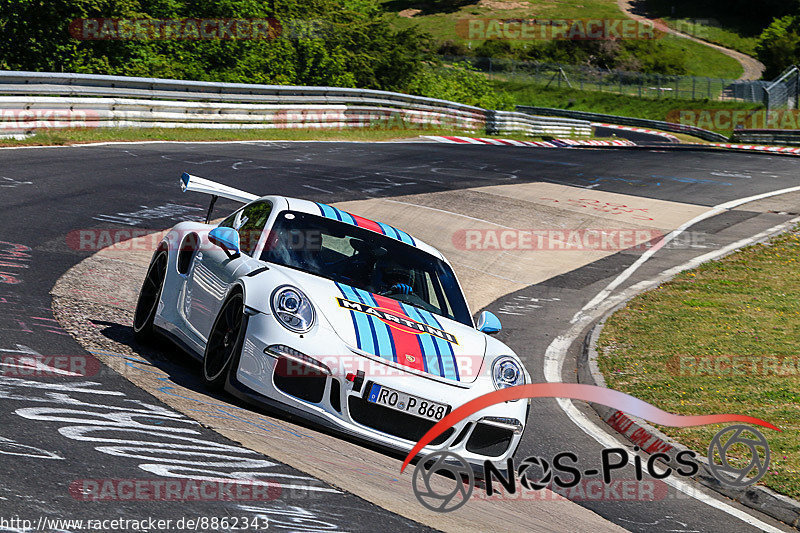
[34, 100]
[787, 137]
[626, 121]
[509, 121]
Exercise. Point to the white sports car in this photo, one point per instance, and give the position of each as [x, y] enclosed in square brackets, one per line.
[335, 318]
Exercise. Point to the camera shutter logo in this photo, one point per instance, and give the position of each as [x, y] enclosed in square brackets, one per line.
[443, 500]
[719, 461]
[527, 466]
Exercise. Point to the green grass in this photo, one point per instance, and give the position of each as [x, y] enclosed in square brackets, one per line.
[729, 38]
[443, 24]
[705, 61]
[608, 103]
[93, 135]
[742, 306]
[90, 135]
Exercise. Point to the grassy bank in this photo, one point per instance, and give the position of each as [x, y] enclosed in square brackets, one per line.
[717, 34]
[94, 135]
[448, 22]
[730, 28]
[720, 339]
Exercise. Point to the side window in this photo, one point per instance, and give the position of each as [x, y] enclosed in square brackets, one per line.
[251, 224]
[230, 221]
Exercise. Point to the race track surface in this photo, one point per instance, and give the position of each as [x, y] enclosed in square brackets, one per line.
[56, 429]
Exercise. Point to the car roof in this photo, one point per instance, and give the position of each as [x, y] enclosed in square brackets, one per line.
[334, 213]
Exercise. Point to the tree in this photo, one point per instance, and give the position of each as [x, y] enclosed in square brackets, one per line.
[779, 45]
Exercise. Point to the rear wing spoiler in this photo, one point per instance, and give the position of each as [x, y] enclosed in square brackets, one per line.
[191, 183]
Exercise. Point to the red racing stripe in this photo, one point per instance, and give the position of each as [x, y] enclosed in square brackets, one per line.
[366, 223]
[407, 345]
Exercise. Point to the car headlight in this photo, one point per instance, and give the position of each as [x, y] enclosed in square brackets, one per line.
[506, 372]
[293, 309]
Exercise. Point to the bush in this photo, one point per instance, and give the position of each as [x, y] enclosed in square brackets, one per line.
[643, 56]
[779, 45]
[354, 46]
[460, 83]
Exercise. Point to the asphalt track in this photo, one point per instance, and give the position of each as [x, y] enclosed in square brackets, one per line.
[635, 136]
[46, 193]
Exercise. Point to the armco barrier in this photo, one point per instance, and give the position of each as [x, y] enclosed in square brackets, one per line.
[626, 121]
[499, 122]
[787, 137]
[33, 100]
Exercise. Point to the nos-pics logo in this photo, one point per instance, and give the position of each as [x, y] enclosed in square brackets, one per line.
[443, 481]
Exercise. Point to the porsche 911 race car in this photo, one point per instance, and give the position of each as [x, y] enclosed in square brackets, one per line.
[344, 321]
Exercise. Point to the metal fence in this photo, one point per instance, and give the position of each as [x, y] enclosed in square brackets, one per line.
[31, 100]
[761, 136]
[612, 81]
[783, 92]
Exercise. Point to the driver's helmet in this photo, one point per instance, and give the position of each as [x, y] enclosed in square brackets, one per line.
[394, 274]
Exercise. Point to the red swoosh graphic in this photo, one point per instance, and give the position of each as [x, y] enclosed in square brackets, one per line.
[588, 393]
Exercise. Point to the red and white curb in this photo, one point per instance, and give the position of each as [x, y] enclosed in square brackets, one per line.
[758, 148]
[555, 143]
[668, 136]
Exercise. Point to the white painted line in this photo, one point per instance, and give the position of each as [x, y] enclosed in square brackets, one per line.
[556, 353]
[317, 189]
[588, 427]
[628, 272]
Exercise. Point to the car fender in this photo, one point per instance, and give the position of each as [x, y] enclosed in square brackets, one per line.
[256, 293]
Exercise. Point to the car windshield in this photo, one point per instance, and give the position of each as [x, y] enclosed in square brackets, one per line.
[367, 260]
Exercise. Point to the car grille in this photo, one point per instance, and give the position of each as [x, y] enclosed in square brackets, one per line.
[308, 385]
[490, 441]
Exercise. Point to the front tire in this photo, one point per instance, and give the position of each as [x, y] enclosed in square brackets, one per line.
[149, 296]
[224, 342]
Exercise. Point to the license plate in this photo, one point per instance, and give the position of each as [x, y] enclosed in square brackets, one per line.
[407, 403]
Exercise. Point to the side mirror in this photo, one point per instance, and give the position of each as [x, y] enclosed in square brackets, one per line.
[488, 323]
[227, 239]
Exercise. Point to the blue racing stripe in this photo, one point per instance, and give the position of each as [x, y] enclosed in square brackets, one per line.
[405, 237]
[383, 334]
[328, 211]
[365, 333]
[389, 231]
[344, 216]
[433, 360]
[445, 348]
[352, 316]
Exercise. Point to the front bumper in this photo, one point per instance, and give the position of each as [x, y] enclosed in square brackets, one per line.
[330, 398]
